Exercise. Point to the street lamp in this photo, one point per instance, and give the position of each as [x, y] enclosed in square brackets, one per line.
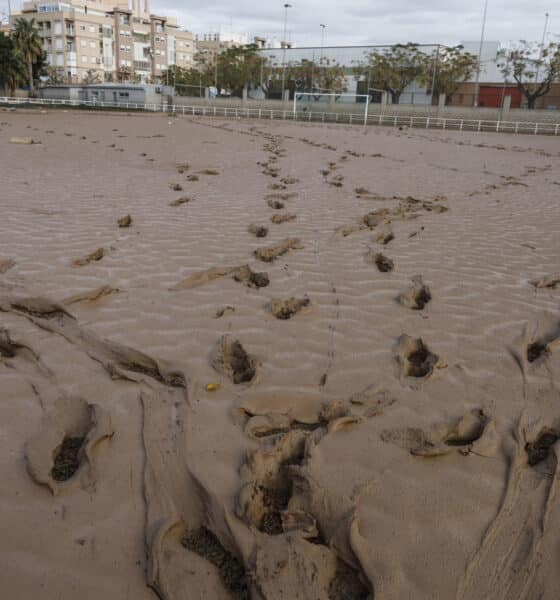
[322, 26]
[286, 6]
[476, 84]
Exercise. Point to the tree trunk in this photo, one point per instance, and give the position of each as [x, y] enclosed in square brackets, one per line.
[531, 100]
[30, 76]
[395, 96]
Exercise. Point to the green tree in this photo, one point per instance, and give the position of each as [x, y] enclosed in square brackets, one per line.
[239, 68]
[12, 66]
[309, 76]
[28, 42]
[452, 67]
[188, 82]
[534, 68]
[393, 68]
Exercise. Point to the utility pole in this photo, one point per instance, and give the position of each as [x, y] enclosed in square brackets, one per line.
[284, 43]
[322, 26]
[476, 83]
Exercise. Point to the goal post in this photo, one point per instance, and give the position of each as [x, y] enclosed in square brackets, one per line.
[342, 103]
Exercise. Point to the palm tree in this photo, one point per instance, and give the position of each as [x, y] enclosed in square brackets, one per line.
[12, 67]
[28, 42]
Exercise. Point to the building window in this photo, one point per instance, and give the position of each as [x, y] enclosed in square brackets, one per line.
[84, 59]
[123, 94]
[91, 29]
[92, 44]
[82, 27]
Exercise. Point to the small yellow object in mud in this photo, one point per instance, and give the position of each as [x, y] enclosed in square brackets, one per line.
[212, 387]
[22, 140]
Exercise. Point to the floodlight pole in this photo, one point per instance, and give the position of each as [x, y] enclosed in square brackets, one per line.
[284, 42]
[476, 83]
[322, 26]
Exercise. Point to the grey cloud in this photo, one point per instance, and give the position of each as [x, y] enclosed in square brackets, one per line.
[353, 22]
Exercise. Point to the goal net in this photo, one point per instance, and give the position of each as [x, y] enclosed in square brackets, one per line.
[344, 104]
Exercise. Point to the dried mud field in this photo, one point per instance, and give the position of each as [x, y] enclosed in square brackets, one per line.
[266, 360]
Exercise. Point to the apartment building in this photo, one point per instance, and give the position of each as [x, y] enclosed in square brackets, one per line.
[107, 40]
[209, 45]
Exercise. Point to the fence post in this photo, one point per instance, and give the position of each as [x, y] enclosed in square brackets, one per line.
[350, 121]
[427, 122]
[556, 129]
[536, 128]
[497, 126]
[479, 125]
[461, 125]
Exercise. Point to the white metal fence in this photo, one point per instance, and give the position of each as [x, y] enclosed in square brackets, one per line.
[425, 122]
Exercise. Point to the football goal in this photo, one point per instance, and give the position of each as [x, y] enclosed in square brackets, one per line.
[320, 102]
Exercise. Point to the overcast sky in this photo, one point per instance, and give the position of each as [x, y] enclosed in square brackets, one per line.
[355, 22]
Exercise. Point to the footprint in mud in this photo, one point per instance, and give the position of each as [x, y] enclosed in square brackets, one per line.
[226, 310]
[9, 348]
[271, 253]
[204, 543]
[384, 237]
[176, 187]
[277, 186]
[125, 221]
[275, 204]
[209, 172]
[382, 262]
[250, 278]
[6, 264]
[550, 281]
[414, 359]
[94, 256]
[259, 231]
[538, 450]
[231, 359]
[65, 444]
[542, 347]
[284, 218]
[286, 309]
[193, 178]
[92, 296]
[417, 296]
[180, 201]
[289, 180]
[474, 433]
[347, 585]
[183, 168]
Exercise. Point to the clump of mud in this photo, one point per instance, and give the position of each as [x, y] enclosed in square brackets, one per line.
[259, 231]
[271, 253]
[284, 218]
[383, 263]
[125, 221]
[275, 204]
[286, 309]
[94, 256]
[231, 359]
[251, 278]
[176, 187]
[180, 201]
